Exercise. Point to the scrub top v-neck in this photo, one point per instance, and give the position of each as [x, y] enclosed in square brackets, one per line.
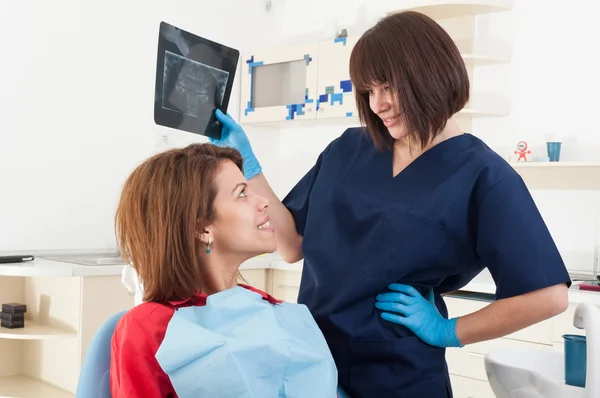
[453, 211]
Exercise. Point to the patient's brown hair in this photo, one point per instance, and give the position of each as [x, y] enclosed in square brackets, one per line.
[164, 203]
[424, 68]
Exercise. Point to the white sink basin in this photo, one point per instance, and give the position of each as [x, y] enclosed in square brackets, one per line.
[520, 373]
[523, 373]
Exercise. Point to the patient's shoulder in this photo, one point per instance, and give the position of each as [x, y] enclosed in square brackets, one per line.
[149, 311]
[147, 321]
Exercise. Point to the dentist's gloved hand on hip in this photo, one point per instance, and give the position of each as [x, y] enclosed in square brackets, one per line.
[233, 136]
[405, 306]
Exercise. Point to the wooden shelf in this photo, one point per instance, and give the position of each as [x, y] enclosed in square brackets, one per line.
[484, 104]
[443, 9]
[483, 51]
[481, 59]
[481, 104]
[559, 175]
[35, 331]
[480, 112]
[518, 165]
[25, 387]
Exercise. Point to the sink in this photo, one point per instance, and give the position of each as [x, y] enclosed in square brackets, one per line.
[94, 260]
[524, 373]
[529, 373]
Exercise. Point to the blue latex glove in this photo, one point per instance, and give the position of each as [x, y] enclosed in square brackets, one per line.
[233, 136]
[407, 307]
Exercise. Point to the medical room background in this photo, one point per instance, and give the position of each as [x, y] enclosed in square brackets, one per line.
[79, 87]
[76, 117]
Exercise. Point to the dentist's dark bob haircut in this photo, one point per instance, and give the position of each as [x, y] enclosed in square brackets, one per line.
[422, 65]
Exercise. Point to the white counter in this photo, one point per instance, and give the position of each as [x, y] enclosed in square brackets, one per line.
[44, 267]
[483, 283]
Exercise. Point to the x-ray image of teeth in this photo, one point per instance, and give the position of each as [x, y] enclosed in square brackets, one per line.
[191, 87]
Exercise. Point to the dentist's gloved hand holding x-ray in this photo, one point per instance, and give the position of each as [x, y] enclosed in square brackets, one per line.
[233, 136]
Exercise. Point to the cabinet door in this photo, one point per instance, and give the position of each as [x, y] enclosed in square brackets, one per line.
[254, 277]
[464, 387]
[335, 94]
[279, 85]
[286, 285]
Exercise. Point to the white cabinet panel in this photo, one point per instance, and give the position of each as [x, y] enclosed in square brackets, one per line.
[335, 93]
[289, 294]
[279, 85]
[468, 361]
[464, 387]
[255, 277]
[286, 285]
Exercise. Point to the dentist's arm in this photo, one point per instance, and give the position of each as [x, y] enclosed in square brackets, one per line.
[289, 242]
[509, 315]
[405, 306]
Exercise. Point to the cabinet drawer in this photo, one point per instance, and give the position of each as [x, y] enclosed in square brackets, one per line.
[286, 279]
[286, 285]
[464, 387]
[462, 306]
[288, 294]
[541, 333]
[469, 360]
[254, 277]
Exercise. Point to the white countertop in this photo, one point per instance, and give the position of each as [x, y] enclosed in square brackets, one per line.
[483, 283]
[45, 267]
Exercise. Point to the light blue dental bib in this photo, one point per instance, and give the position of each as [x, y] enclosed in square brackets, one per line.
[241, 346]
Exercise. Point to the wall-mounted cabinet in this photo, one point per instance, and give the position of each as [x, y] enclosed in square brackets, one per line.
[483, 51]
[445, 9]
[334, 88]
[280, 85]
[312, 82]
[560, 175]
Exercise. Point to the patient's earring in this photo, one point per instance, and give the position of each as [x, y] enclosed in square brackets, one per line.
[208, 247]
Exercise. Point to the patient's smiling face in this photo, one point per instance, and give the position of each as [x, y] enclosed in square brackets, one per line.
[242, 227]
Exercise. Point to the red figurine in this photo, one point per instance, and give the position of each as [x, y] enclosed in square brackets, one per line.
[522, 151]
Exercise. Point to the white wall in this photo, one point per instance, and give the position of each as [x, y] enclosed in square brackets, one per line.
[75, 120]
[77, 106]
[552, 81]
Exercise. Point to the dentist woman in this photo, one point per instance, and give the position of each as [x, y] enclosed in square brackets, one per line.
[394, 215]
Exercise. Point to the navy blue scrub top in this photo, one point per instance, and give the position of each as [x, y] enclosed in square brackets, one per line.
[456, 209]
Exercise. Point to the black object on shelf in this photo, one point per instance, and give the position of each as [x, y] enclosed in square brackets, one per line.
[14, 308]
[5, 316]
[14, 324]
[13, 315]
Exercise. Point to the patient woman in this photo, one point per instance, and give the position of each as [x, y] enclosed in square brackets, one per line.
[186, 220]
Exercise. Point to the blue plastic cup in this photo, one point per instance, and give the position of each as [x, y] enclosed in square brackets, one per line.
[553, 151]
[575, 360]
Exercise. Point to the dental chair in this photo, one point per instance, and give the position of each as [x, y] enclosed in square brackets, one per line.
[94, 380]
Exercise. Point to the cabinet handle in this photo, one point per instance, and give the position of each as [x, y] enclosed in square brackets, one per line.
[288, 287]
